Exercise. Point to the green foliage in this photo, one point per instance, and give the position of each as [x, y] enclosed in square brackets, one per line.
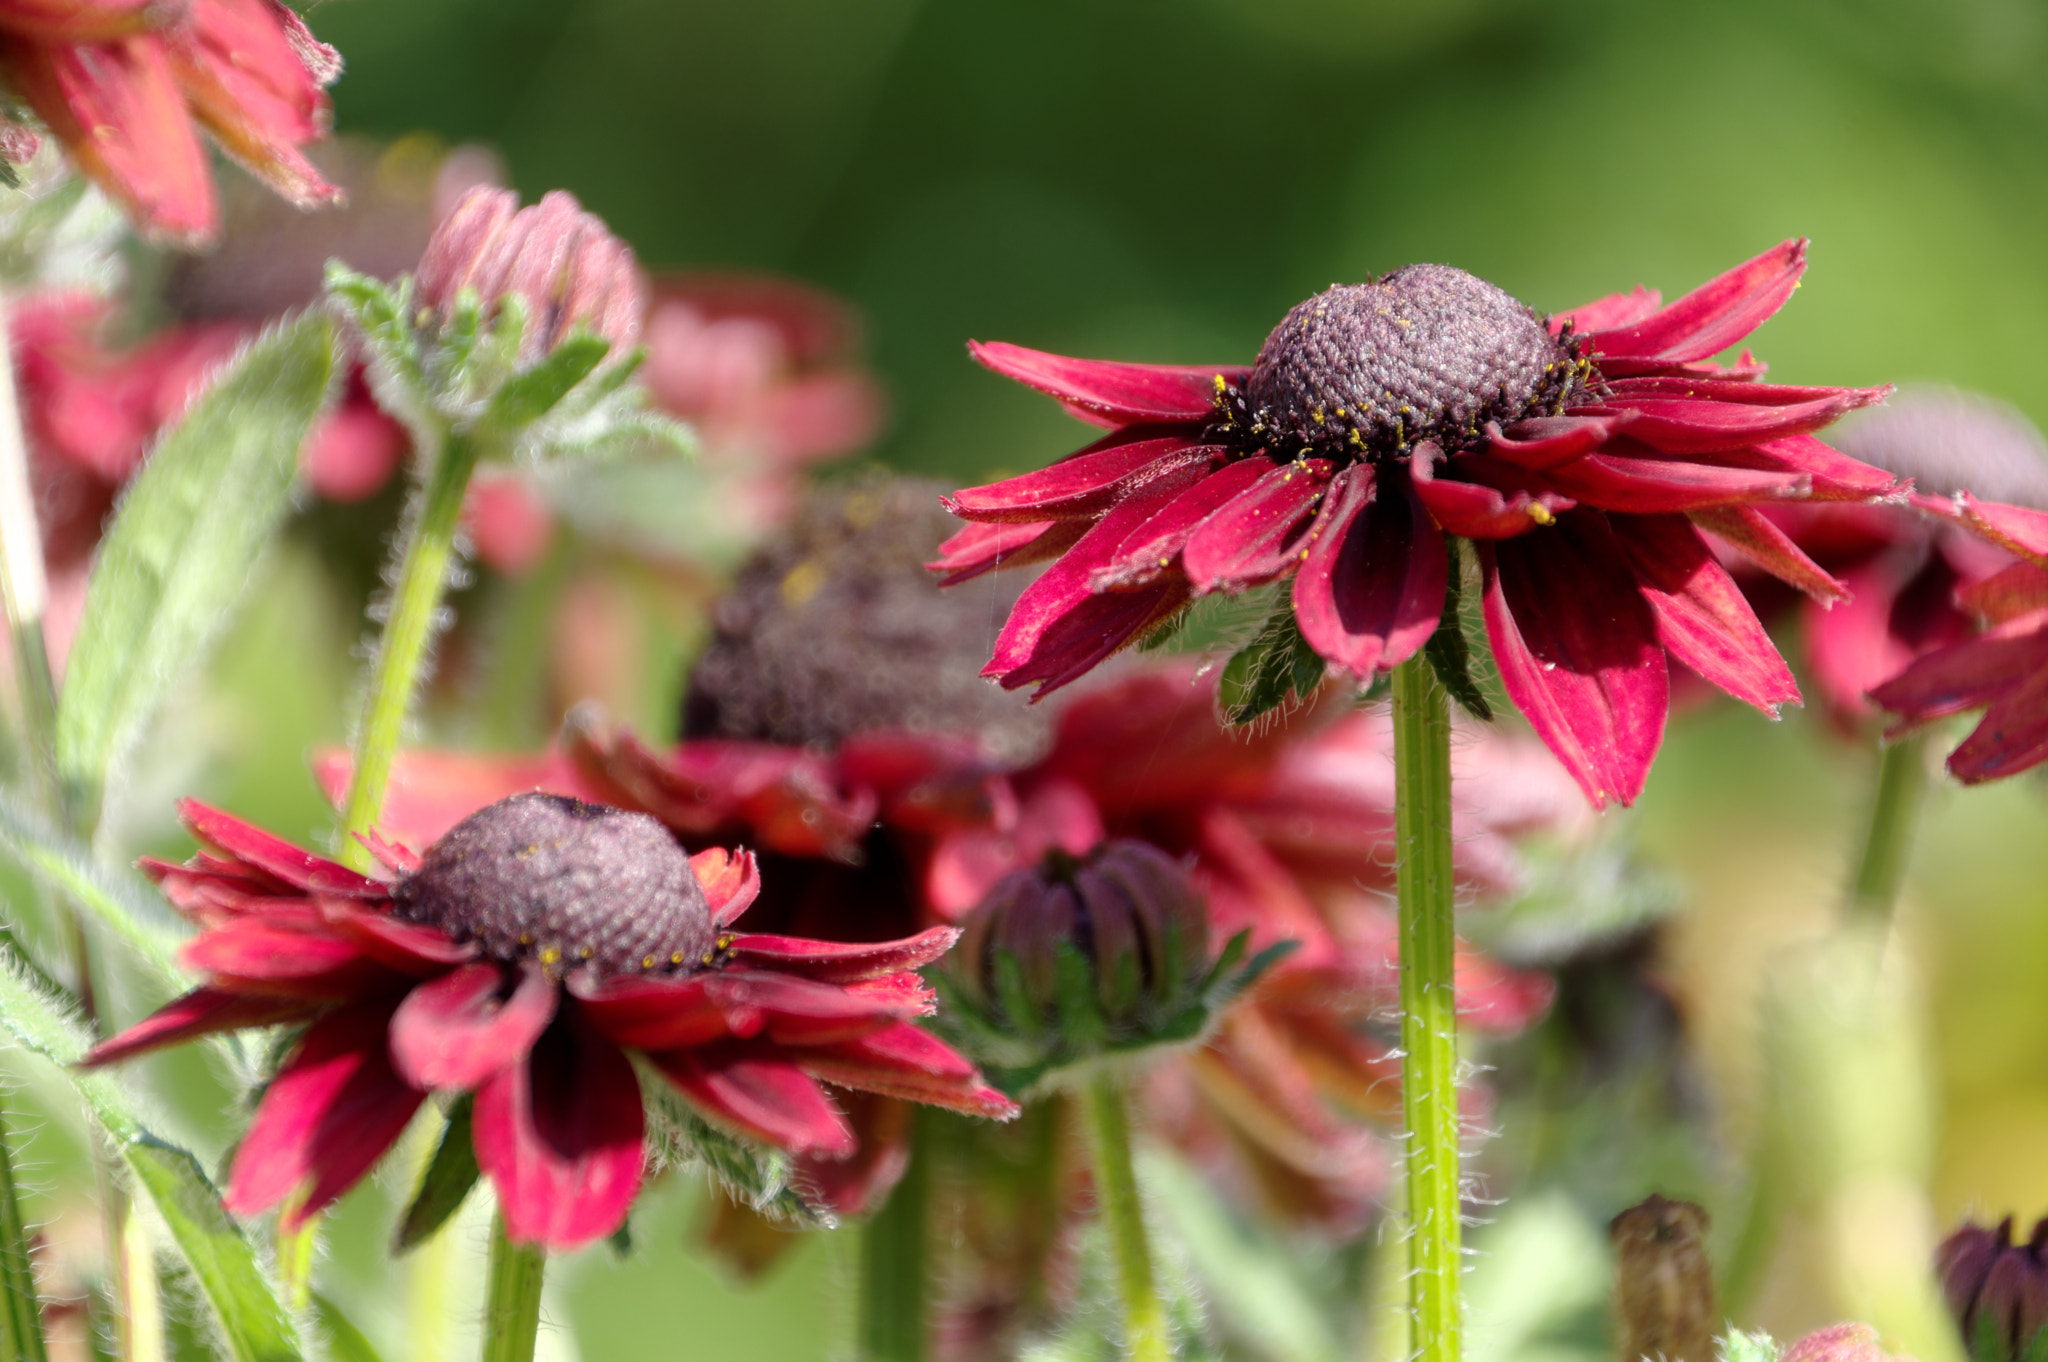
[1273, 668]
[1448, 650]
[446, 1182]
[755, 1175]
[345, 1342]
[117, 899]
[183, 545]
[21, 1321]
[253, 1322]
[1737, 1346]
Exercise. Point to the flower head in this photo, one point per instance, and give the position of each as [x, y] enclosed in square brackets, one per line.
[121, 84]
[1586, 454]
[523, 958]
[1996, 1289]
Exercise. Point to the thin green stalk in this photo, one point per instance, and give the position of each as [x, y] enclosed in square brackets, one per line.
[21, 1313]
[1888, 841]
[512, 1300]
[893, 1295]
[1116, 1188]
[427, 556]
[1429, 1010]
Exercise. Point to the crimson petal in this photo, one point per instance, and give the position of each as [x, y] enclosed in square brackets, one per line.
[275, 856]
[731, 881]
[2012, 736]
[840, 962]
[1763, 542]
[984, 547]
[1120, 394]
[1502, 500]
[1615, 310]
[768, 1099]
[404, 946]
[1715, 315]
[1371, 588]
[202, 1012]
[1578, 652]
[904, 1061]
[1702, 615]
[1969, 674]
[1836, 476]
[328, 1116]
[1071, 645]
[1680, 425]
[2020, 589]
[1255, 536]
[1546, 441]
[1648, 486]
[643, 1013]
[271, 950]
[1078, 487]
[560, 1137]
[454, 1032]
[1151, 549]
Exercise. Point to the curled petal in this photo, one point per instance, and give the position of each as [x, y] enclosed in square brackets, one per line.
[842, 962]
[1702, 616]
[1499, 502]
[731, 881]
[1112, 393]
[1071, 646]
[1546, 441]
[985, 547]
[560, 1137]
[1578, 652]
[331, 1112]
[1371, 587]
[202, 1012]
[1713, 316]
[454, 1032]
[768, 1099]
[904, 1061]
[274, 856]
[1255, 536]
[2011, 737]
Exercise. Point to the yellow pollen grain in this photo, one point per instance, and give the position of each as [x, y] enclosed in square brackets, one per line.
[676, 958]
[802, 582]
[1540, 513]
[646, 962]
[1221, 386]
[551, 955]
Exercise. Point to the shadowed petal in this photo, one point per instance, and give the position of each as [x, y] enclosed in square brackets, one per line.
[1578, 652]
[1096, 627]
[1756, 537]
[769, 1099]
[1702, 616]
[1110, 392]
[275, 856]
[1254, 536]
[2012, 736]
[1680, 425]
[1647, 486]
[1972, 673]
[202, 1012]
[559, 1136]
[985, 547]
[328, 1116]
[1546, 441]
[643, 1013]
[1836, 476]
[1371, 588]
[731, 881]
[404, 946]
[841, 962]
[904, 1061]
[2020, 589]
[454, 1032]
[1154, 547]
[1490, 499]
[1713, 316]
[1078, 487]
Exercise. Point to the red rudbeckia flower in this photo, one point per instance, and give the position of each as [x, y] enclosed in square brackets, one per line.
[529, 952]
[2002, 671]
[1587, 456]
[121, 83]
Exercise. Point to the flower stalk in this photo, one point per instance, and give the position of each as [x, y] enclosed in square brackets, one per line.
[21, 1316]
[1429, 1019]
[1123, 1215]
[426, 556]
[893, 1296]
[1888, 840]
[512, 1299]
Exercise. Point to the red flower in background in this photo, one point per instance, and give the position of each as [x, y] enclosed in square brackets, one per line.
[122, 84]
[1902, 567]
[1588, 458]
[522, 958]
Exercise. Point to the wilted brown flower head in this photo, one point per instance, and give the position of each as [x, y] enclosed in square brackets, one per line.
[562, 262]
[1663, 1283]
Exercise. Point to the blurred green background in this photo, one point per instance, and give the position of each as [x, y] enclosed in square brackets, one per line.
[1142, 179]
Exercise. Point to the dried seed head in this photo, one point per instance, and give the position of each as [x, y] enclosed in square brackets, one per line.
[1426, 353]
[572, 885]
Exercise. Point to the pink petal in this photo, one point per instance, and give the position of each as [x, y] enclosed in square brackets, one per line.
[842, 962]
[1371, 588]
[454, 1032]
[404, 946]
[768, 1099]
[1547, 441]
[1715, 315]
[654, 1013]
[1578, 652]
[1615, 310]
[1649, 486]
[275, 856]
[1254, 537]
[1500, 502]
[302, 958]
[1756, 537]
[904, 1061]
[1836, 476]
[1092, 630]
[1078, 487]
[803, 1012]
[2020, 589]
[330, 1113]
[202, 1012]
[1153, 548]
[986, 547]
[1852, 647]
[2012, 736]
[2016, 529]
[560, 1137]
[430, 792]
[1115, 393]
[1681, 425]
[1969, 674]
[731, 881]
[1702, 616]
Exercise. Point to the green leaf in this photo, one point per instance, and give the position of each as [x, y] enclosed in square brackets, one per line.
[254, 1325]
[1737, 1346]
[345, 1342]
[21, 1305]
[1279, 663]
[1450, 656]
[756, 1176]
[528, 396]
[183, 545]
[445, 1183]
[117, 898]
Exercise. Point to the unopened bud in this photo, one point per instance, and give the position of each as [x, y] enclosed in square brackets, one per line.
[1997, 1290]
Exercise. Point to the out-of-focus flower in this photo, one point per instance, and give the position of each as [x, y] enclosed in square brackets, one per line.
[1663, 1281]
[1587, 457]
[1902, 567]
[1839, 1343]
[2004, 670]
[1996, 1289]
[122, 84]
[523, 958]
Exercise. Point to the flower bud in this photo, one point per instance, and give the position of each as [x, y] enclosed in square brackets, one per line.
[1085, 956]
[564, 264]
[1997, 1290]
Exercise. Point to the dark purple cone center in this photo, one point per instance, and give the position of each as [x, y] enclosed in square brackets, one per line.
[1426, 353]
[572, 885]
